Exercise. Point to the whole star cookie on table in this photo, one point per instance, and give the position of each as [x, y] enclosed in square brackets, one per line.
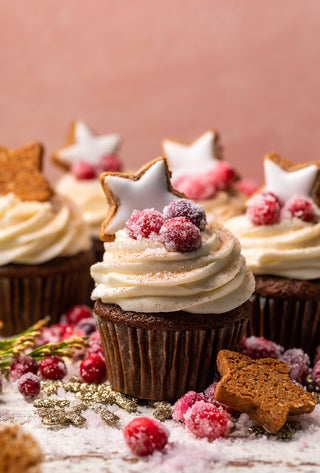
[150, 187]
[261, 388]
[21, 173]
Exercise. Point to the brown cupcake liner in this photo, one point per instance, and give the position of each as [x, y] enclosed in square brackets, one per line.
[165, 362]
[29, 293]
[290, 322]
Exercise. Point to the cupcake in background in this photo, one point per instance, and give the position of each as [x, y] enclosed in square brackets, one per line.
[171, 290]
[199, 171]
[85, 156]
[280, 239]
[45, 251]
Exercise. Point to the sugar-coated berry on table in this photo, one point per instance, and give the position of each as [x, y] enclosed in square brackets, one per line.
[260, 347]
[183, 404]
[22, 365]
[299, 363]
[93, 369]
[205, 420]
[77, 313]
[29, 385]
[53, 367]
[144, 435]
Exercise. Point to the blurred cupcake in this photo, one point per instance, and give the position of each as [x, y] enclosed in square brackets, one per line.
[171, 290]
[280, 239]
[84, 156]
[44, 244]
[199, 171]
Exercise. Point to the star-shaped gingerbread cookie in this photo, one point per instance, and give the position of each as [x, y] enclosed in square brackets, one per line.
[83, 144]
[286, 179]
[260, 388]
[20, 173]
[189, 158]
[150, 187]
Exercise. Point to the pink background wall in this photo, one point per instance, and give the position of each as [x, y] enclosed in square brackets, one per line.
[173, 68]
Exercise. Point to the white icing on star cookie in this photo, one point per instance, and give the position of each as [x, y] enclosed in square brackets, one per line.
[86, 146]
[150, 187]
[185, 159]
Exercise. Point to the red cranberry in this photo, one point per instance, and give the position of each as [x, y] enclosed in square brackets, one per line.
[205, 420]
[95, 349]
[299, 207]
[179, 234]
[144, 435]
[144, 224]
[260, 347]
[110, 163]
[184, 403]
[77, 313]
[52, 334]
[196, 187]
[72, 332]
[299, 363]
[264, 209]
[22, 365]
[83, 170]
[222, 175]
[29, 385]
[188, 209]
[53, 367]
[93, 369]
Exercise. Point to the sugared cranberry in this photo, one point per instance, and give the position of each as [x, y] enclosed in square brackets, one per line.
[179, 234]
[29, 385]
[53, 367]
[144, 224]
[260, 347]
[184, 403]
[196, 187]
[143, 436]
[247, 187]
[299, 363]
[188, 209]
[95, 349]
[83, 170]
[52, 334]
[209, 396]
[264, 209]
[299, 207]
[110, 162]
[72, 332]
[93, 369]
[22, 365]
[222, 175]
[205, 420]
[77, 313]
[87, 326]
[315, 375]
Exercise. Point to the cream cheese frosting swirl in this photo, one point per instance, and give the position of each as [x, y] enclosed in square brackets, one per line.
[290, 248]
[89, 196]
[142, 276]
[33, 232]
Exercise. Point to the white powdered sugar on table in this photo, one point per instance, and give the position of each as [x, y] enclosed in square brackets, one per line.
[98, 447]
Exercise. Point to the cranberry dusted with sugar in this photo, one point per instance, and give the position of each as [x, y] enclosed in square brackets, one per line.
[110, 163]
[260, 347]
[188, 209]
[222, 175]
[144, 435]
[184, 403]
[22, 365]
[77, 313]
[299, 363]
[179, 234]
[197, 187]
[264, 209]
[83, 170]
[93, 369]
[53, 367]
[144, 224]
[299, 207]
[29, 386]
[205, 420]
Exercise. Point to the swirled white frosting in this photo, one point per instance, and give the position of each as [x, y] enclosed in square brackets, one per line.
[36, 232]
[89, 196]
[290, 248]
[142, 276]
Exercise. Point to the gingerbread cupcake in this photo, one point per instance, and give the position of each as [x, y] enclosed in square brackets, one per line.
[171, 290]
[280, 239]
[199, 171]
[44, 244]
[84, 156]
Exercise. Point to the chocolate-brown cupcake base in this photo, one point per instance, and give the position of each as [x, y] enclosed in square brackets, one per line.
[161, 356]
[286, 311]
[29, 293]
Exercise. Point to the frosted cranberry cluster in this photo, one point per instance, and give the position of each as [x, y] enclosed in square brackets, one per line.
[83, 170]
[266, 208]
[177, 227]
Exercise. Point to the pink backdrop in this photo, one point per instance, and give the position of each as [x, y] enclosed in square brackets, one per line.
[174, 68]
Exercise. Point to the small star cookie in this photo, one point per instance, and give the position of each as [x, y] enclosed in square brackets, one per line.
[83, 144]
[20, 173]
[199, 156]
[150, 187]
[260, 388]
[286, 179]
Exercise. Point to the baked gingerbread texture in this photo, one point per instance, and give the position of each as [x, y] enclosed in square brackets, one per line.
[261, 388]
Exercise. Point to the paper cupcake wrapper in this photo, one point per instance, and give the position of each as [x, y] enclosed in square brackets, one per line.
[27, 296]
[288, 322]
[164, 364]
